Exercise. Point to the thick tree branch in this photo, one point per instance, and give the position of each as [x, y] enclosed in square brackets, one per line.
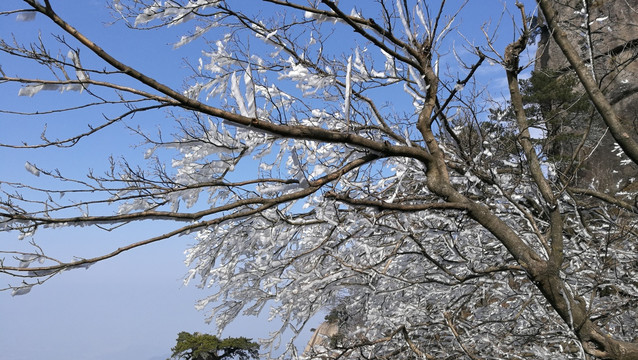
[295, 132]
[383, 205]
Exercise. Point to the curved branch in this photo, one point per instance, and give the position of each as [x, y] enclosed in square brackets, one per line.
[606, 198]
[71, 141]
[383, 205]
[295, 132]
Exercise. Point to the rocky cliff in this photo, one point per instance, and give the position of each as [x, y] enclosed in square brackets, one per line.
[606, 33]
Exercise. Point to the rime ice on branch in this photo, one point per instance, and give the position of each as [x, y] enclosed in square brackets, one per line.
[348, 157]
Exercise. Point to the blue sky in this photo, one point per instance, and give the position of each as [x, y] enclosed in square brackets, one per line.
[130, 307]
[133, 306]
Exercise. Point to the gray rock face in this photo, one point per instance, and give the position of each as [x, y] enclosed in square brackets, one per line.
[318, 346]
[606, 34]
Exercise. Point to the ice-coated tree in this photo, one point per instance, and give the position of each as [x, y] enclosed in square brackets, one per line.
[344, 153]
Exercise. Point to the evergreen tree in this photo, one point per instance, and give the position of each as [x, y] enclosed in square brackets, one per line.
[199, 346]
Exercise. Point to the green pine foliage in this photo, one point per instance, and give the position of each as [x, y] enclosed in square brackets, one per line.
[556, 105]
[199, 346]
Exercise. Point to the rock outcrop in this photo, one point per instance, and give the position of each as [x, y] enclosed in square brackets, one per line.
[606, 34]
[319, 345]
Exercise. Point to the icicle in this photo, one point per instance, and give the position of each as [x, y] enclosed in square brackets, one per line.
[26, 16]
[404, 20]
[22, 290]
[82, 75]
[236, 94]
[421, 15]
[250, 93]
[348, 89]
[303, 181]
[31, 168]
